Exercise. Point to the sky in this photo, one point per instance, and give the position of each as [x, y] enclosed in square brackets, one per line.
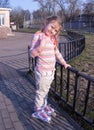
[25, 4]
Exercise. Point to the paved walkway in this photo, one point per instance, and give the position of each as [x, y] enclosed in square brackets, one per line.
[17, 90]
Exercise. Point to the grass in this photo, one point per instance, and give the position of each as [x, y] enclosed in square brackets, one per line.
[85, 62]
[26, 30]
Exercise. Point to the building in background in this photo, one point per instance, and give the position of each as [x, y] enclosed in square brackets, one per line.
[4, 22]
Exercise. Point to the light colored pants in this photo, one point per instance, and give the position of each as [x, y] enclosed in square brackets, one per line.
[43, 82]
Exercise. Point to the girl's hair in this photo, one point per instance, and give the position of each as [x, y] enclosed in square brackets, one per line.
[53, 19]
[49, 20]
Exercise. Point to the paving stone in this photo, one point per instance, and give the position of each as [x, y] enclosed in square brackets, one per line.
[7, 101]
[18, 126]
[2, 105]
[1, 98]
[8, 123]
[5, 113]
[14, 117]
[1, 121]
[10, 108]
[2, 127]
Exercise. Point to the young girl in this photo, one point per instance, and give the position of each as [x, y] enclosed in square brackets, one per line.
[44, 47]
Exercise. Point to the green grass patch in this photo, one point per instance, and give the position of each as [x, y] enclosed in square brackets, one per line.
[85, 61]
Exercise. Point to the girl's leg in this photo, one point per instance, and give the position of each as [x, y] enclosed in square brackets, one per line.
[42, 110]
[41, 94]
[42, 85]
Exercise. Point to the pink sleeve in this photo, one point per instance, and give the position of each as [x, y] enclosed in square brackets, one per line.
[37, 45]
[34, 41]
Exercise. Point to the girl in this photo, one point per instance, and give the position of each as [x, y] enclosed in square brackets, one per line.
[44, 47]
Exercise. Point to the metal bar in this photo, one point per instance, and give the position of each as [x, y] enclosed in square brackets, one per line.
[67, 86]
[75, 90]
[61, 78]
[87, 97]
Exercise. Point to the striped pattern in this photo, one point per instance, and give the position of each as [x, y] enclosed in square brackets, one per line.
[46, 60]
[34, 40]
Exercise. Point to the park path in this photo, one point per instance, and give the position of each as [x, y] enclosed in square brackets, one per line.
[17, 90]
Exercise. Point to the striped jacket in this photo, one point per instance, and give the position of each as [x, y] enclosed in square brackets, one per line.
[46, 57]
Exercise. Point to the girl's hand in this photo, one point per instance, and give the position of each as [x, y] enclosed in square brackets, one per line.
[67, 65]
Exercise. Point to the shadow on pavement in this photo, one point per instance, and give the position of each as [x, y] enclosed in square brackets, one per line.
[16, 86]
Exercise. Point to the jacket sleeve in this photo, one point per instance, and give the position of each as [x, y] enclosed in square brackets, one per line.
[34, 43]
[37, 46]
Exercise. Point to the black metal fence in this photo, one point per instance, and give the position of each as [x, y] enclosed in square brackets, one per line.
[76, 90]
[73, 47]
[72, 87]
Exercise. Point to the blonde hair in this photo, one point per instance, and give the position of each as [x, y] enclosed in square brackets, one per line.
[50, 19]
[53, 19]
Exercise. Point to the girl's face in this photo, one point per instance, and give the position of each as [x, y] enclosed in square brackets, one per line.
[52, 28]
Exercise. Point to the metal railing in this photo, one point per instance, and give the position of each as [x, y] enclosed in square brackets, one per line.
[72, 49]
[72, 87]
[76, 90]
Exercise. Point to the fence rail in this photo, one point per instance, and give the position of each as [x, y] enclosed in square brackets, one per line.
[74, 47]
[72, 87]
[76, 90]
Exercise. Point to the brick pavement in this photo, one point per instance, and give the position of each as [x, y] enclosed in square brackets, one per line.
[17, 91]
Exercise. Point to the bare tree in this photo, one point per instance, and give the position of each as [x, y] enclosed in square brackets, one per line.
[18, 16]
[88, 11]
[68, 8]
[88, 8]
[63, 8]
[48, 7]
[4, 3]
[37, 16]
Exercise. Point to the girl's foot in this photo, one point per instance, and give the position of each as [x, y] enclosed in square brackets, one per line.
[49, 110]
[42, 115]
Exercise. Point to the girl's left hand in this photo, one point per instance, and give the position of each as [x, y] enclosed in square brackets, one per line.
[67, 65]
